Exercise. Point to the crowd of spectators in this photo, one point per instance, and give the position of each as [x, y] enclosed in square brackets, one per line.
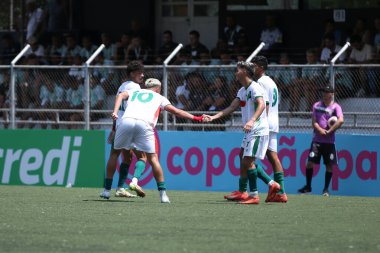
[189, 89]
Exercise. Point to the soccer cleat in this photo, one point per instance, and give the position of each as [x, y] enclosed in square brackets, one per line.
[282, 198]
[135, 187]
[231, 194]
[164, 198]
[121, 192]
[251, 200]
[325, 193]
[238, 196]
[105, 194]
[304, 190]
[273, 189]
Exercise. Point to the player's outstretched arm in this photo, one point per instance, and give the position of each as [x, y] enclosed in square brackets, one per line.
[119, 98]
[230, 109]
[182, 114]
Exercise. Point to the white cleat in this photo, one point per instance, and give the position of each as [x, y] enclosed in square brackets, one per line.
[164, 198]
[105, 194]
[135, 187]
[121, 192]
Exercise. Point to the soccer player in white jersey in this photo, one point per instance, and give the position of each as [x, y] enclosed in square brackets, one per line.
[135, 75]
[136, 129]
[260, 64]
[256, 133]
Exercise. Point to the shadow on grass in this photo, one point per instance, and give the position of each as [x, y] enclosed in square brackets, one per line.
[108, 200]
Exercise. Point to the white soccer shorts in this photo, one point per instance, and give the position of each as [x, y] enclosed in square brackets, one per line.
[256, 146]
[134, 133]
[272, 146]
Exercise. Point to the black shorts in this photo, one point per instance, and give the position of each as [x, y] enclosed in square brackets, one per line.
[327, 150]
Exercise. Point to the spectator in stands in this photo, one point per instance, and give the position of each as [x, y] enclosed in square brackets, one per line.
[166, 48]
[4, 95]
[97, 96]
[330, 28]
[109, 51]
[35, 48]
[195, 47]
[56, 16]
[243, 48]
[284, 77]
[136, 30]
[182, 99]
[77, 70]
[198, 92]
[271, 35]
[231, 32]
[220, 47]
[122, 48]
[9, 48]
[34, 27]
[71, 48]
[309, 82]
[361, 29]
[362, 53]
[138, 51]
[330, 49]
[55, 47]
[51, 96]
[105, 75]
[217, 99]
[74, 98]
[28, 88]
[88, 48]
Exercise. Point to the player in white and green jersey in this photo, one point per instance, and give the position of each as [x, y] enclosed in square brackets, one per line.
[135, 74]
[136, 129]
[260, 64]
[251, 100]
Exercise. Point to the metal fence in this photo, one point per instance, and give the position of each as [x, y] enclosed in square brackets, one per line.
[55, 97]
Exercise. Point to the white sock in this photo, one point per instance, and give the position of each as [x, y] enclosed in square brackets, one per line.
[271, 182]
[254, 194]
[135, 180]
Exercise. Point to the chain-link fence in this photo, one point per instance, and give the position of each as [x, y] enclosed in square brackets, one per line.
[54, 97]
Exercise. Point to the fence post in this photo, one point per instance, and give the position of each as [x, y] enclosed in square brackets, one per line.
[254, 53]
[13, 86]
[87, 87]
[165, 80]
[332, 62]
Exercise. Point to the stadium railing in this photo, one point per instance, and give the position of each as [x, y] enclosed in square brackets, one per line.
[53, 96]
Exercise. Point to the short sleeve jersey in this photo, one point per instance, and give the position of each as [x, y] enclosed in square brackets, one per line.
[248, 106]
[322, 114]
[145, 105]
[272, 93]
[128, 85]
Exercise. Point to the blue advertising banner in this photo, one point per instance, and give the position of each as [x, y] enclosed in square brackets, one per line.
[209, 161]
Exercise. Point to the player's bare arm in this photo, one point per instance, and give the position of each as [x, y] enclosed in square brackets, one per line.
[181, 113]
[119, 99]
[230, 109]
[319, 129]
[260, 108]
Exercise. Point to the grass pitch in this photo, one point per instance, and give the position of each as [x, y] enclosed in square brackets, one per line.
[52, 219]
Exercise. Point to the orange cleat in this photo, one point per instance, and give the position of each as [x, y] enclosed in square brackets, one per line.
[282, 198]
[232, 193]
[239, 196]
[251, 200]
[273, 189]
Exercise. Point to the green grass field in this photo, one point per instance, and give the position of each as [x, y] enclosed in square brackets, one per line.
[53, 219]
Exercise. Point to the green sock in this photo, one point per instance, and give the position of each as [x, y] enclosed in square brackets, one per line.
[243, 184]
[161, 186]
[252, 178]
[123, 173]
[107, 183]
[262, 174]
[279, 178]
[139, 169]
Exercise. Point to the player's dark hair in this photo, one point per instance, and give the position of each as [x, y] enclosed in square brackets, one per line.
[260, 61]
[134, 66]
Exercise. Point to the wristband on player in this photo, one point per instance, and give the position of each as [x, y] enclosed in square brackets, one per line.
[198, 118]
